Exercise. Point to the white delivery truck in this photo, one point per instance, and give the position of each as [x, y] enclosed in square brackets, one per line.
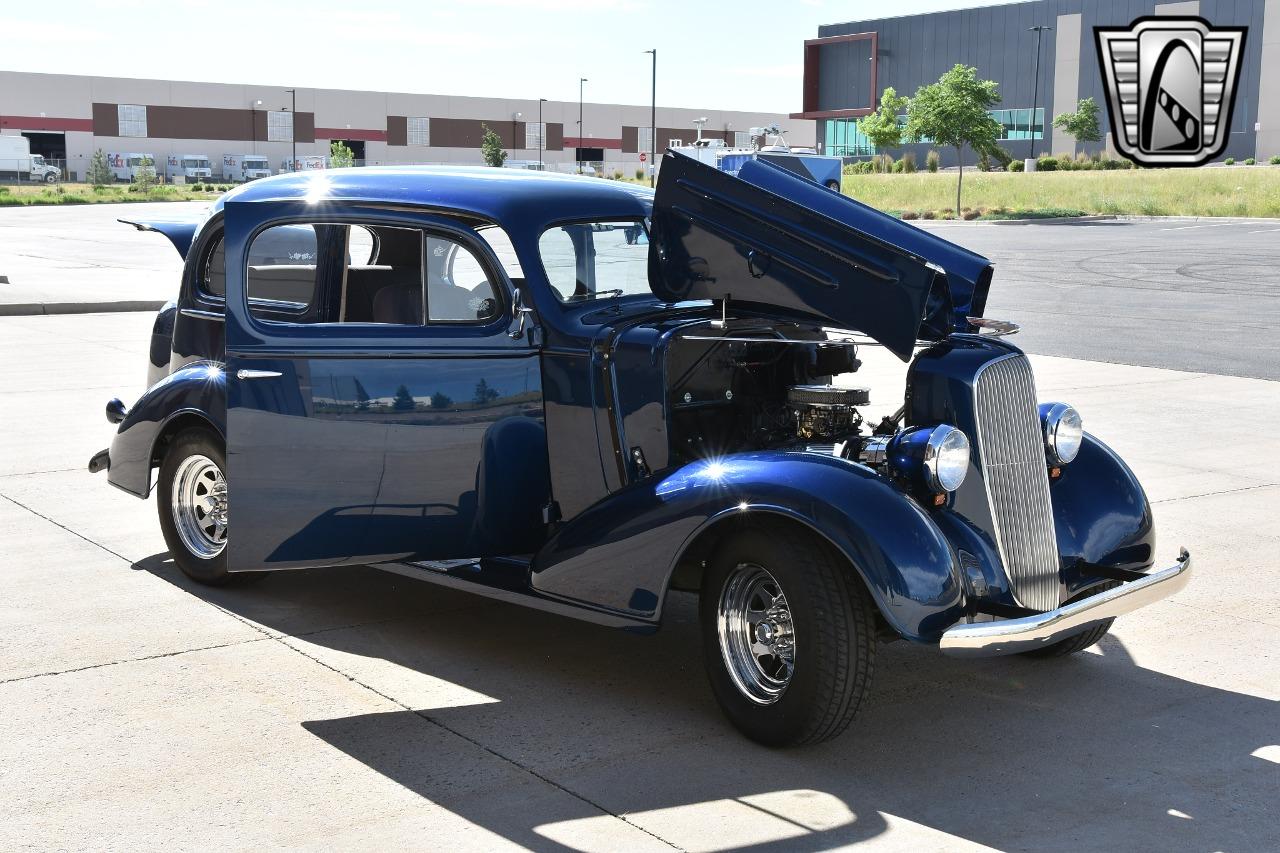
[126, 166]
[245, 167]
[190, 167]
[17, 161]
[306, 163]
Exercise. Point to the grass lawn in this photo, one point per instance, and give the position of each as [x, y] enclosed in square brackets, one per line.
[28, 194]
[1225, 191]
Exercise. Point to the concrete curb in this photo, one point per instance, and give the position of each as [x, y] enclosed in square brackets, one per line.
[1055, 220]
[36, 309]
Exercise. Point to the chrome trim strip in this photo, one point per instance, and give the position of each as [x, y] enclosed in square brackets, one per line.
[257, 374]
[203, 315]
[1015, 474]
[1012, 636]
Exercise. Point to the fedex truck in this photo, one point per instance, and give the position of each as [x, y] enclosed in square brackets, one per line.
[190, 167]
[126, 166]
[245, 167]
[17, 162]
[305, 163]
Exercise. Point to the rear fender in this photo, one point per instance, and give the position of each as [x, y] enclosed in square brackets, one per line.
[196, 391]
[620, 554]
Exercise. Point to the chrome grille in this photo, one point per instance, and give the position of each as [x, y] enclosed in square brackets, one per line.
[1011, 449]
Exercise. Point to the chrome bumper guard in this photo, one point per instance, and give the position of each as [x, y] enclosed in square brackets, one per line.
[1026, 633]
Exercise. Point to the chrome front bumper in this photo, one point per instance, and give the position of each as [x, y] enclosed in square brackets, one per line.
[1026, 633]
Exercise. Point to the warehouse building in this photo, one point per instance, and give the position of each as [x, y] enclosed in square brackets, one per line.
[849, 65]
[68, 117]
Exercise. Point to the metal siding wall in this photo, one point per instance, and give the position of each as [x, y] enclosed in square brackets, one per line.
[995, 39]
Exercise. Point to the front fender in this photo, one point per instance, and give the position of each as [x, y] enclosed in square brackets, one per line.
[198, 389]
[620, 553]
[1102, 515]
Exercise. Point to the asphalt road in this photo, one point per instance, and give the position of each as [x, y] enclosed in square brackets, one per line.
[350, 709]
[1202, 296]
[1199, 295]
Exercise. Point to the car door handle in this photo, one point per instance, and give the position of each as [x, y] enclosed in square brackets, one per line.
[257, 374]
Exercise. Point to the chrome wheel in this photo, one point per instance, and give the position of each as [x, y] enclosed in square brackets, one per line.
[757, 639]
[198, 500]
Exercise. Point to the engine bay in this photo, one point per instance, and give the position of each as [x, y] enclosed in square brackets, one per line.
[764, 387]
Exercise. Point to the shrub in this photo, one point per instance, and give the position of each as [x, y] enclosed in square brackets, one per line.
[908, 162]
[1230, 161]
[910, 214]
[617, 174]
[639, 174]
[4, 190]
[224, 188]
[1084, 161]
[932, 160]
[1275, 160]
[1249, 161]
[1110, 164]
[197, 188]
[928, 214]
[882, 163]
[984, 162]
[970, 215]
[897, 167]
[1016, 166]
[1047, 164]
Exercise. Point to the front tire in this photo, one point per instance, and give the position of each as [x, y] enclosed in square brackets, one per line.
[1076, 642]
[788, 637]
[191, 499]
[51, 178]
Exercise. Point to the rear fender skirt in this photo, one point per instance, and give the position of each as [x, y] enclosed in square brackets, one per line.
[198, 389]
[1102, 515]
[620, 553]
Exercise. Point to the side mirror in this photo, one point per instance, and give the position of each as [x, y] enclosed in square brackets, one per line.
[522, 314]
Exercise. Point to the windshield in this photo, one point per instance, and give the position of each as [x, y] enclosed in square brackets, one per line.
[195, 163]
[37, 159]
[586, 260]
[255, 164]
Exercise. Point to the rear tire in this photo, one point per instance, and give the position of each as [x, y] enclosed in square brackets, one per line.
[788, 636]
[191, 499]
[833, 185]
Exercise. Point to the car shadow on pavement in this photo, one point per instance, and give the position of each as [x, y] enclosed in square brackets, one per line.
[1088, 752]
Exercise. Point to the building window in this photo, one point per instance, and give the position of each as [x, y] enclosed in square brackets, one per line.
[132, 119]
[644, 139]
[535, 135]
[675, 143]
[741, 139]
[1017, 124]
[280, 126]
[419, 131]
[841, 138]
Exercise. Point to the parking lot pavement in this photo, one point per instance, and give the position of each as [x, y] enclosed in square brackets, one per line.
[353, 709]
[80, 255]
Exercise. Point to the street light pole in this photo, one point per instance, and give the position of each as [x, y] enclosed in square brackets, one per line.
[542, 135]
[581, 80]
[653, 118]
[1035, 98]
[293, 128]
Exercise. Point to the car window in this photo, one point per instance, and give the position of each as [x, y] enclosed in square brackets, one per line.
[585, 260]
[371, 274]
[458, 288]
[500, 243]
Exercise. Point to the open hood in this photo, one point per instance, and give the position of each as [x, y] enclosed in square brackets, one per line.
[769, 238]
[180, 233]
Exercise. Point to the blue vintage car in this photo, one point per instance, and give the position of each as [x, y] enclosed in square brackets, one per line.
[580, 395]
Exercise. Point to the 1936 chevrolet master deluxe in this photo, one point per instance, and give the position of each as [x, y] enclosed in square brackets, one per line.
[579, 395]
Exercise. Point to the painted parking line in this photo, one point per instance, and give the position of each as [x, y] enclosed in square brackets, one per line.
[1201, 225]
[1265, 231]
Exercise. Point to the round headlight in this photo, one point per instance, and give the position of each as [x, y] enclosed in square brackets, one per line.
[1063, 432]
[946, 459]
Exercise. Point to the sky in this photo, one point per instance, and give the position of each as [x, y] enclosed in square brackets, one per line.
[743, 55]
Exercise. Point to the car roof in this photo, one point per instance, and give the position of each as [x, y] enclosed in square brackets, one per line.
[512, 198]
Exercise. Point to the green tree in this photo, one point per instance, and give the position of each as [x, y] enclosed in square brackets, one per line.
[144, 176]
[403, 401]
[955, 111]
[485, 394]
[441, 400]
[881, 128]
[1083, 123]
[491, 147]
[340, 155]
[99, 172]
